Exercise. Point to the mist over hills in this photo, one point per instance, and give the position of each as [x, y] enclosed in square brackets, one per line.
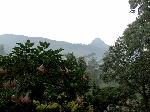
[97, 46]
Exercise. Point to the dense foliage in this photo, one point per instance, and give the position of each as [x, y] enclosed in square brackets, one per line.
[142, 6]
[128, 61]
[41, 75]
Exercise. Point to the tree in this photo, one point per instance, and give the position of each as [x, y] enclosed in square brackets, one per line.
[2, 52]
[127, 62]
[41, 74]
[143, 6]
[93, 70]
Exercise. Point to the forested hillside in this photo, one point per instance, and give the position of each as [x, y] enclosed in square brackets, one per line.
[97, 46]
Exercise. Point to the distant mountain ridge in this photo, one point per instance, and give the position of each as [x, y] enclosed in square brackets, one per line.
[97, 46]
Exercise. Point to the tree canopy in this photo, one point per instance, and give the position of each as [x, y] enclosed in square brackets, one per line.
[128, 61]
[142, 6]
[37, 73]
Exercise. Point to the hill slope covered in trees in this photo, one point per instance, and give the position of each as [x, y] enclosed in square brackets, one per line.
[97, 46]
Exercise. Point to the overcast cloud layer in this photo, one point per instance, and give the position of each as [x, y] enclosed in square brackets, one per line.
[76, 21]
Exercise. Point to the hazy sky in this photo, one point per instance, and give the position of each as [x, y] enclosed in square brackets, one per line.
[76, 21]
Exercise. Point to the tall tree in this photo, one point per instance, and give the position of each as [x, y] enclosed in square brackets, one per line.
[128, 61]
[93, 70]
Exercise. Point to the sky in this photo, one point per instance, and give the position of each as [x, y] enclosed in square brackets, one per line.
[75, 21]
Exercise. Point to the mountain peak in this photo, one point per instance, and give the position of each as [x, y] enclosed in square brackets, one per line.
[97, 42]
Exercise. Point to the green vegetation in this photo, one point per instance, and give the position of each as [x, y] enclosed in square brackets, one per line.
[128, 61]
[35, 78]
[43, 75]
